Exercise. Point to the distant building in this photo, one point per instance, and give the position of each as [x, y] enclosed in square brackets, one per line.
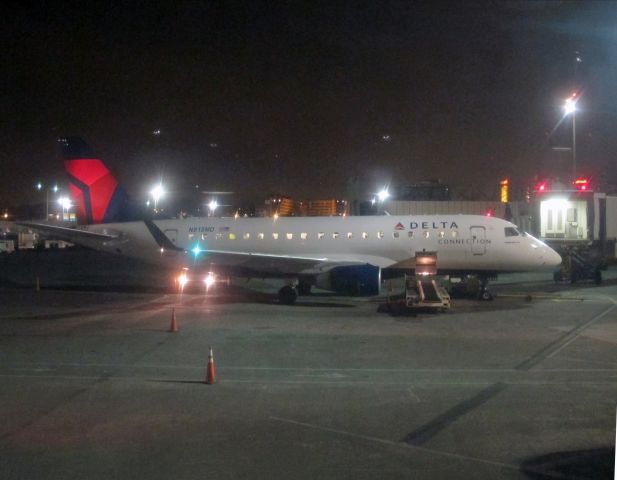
[325, 208]
[281, 205]
[285, 206]
[364, 199]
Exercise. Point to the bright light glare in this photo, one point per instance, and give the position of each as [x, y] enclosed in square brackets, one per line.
[209, 280]
[383, 195]
[157, 192]
[182, 280]
[213, 205]
[570, 106]
[64, 202]
[556, 203]
[196, 250]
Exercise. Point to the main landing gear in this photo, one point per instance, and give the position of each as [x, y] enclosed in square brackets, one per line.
[471, 286]
[290, 292]
[484, 293]
[288, 295]
[304, 288]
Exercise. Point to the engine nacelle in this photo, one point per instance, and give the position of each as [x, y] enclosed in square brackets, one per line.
[354, 280]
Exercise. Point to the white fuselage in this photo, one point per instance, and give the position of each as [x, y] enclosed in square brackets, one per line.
[465, 243]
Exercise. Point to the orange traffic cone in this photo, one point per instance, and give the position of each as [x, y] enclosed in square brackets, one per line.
[173, 328]
[210, 375]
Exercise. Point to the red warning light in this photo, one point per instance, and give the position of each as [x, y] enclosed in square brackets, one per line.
[542, 187]
[581, 184]
[489, 213]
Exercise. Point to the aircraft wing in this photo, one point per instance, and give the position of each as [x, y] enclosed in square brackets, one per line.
[273, 264]
[69, 234]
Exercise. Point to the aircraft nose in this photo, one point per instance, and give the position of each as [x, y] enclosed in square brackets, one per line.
[550, 257]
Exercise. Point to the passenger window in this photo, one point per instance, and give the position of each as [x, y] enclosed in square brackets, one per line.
[191, 236]
[232, 236]
[364, 235]
[426, 234]
[275, 236]
[204, 236]
[290, 236]
[442, 234]
[454, 233]
[260, 236]
[246, 236]
[379, 234]
[349, 235]
[320, 235]
[394, 234]
[335, 235]
[411, 234]
[304, 235]
[219, 236]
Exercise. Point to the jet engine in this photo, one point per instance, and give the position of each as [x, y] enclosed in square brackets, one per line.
[353, 280]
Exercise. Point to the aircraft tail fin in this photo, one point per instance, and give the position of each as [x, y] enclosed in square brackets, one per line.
[98, 196]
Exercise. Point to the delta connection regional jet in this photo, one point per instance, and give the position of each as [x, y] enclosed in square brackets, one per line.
[345, 254]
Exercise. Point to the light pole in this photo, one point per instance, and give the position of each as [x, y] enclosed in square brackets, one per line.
[39, 187]
[570, 108]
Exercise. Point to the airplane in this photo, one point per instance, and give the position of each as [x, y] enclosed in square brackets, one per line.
[344, 254]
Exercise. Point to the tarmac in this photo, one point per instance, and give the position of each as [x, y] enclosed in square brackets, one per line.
[95, 387]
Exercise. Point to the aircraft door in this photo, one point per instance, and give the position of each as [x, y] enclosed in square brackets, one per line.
[172, 234]
[478, 240]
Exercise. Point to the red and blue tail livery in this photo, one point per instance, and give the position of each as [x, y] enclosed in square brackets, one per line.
[98, 197]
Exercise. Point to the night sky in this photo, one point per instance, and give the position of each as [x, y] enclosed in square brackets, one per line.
[297, 98]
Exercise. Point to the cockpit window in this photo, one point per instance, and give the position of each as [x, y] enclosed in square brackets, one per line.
[511, 232]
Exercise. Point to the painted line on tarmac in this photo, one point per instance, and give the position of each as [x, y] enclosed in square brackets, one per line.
[585, 360]
[562, 342]
[429, 430]
[435, 426]
[539, 297]
[399, 445]
[110, 377]
[305, 371]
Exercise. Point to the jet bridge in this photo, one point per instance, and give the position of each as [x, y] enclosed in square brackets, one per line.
[580, 225]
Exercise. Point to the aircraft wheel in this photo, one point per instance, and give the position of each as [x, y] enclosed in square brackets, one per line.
[288, 295]
[486, 295]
